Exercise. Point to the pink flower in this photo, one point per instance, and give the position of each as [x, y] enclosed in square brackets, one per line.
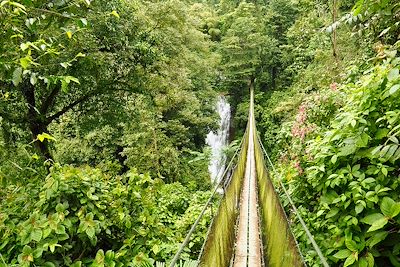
[298, 167]
[334, 86]
[299, 128]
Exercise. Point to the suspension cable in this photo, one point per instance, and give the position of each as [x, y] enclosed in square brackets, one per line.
[303, 224]
[193, 228]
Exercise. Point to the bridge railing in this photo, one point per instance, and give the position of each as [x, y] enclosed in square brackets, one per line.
[220, 241]
[280, 248]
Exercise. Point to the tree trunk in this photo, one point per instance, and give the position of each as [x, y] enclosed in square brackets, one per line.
[37, 124]
[43, 147]
[334, 32]
[273, 77]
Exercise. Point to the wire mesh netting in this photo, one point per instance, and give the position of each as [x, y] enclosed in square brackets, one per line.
[279, 245]
[220, 241]
[280, 248]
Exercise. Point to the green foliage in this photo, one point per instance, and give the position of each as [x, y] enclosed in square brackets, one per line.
[381, 18]
[18, 162]
[331, 126]
[112, 87]
[351, 180]
[246, 49]
[76, 213]
[117, 86]
[90, 64]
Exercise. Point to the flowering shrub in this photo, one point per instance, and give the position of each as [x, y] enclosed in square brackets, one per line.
[349, 192]
[300, 126]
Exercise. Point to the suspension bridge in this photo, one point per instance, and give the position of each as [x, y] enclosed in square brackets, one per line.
[250, 227]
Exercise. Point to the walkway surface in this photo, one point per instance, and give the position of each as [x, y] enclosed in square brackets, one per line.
[248, 243]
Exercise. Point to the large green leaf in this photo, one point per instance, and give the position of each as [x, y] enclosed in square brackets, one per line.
[376, 238]
[378, 224]
[394, 89]
[36, 235]
[389, 207]
[370, 219]
[350, 260]
[342, 254]
[17, 76]
[351, 245]
[393, 74]
[332, 212]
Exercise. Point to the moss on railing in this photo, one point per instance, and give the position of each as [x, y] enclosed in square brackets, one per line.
[280, 249]
[279, 246]
[220, 242]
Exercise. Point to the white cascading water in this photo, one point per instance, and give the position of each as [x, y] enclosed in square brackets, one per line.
[218, 141]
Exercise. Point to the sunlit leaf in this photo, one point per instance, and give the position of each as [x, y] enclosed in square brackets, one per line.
[115, 14]
[84, 21]
[17, 76]
[393, 74]
[394, 89]
[41, 137]
[378, 224]
[350, 260]
[25, 62]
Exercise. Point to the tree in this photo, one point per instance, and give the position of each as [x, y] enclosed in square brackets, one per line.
[247, 52]
[59, 56]
[167, 113]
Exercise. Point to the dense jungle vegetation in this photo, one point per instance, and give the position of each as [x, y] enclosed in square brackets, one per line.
[105, 105]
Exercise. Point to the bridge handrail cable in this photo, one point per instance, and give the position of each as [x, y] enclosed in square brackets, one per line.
[193, 228]
[293, 206]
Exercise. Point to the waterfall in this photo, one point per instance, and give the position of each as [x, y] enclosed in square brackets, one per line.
[217, 141]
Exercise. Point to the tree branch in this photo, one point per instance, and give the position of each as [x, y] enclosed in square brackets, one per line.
[51, 12]
[49, 101]
[28, 91]
[116, 80]
[68, 107]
